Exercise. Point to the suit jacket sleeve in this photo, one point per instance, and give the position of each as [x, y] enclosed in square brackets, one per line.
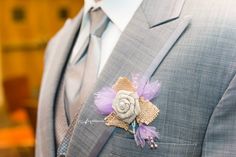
[220, 137]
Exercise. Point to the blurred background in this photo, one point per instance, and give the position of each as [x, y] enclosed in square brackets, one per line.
[25, 28]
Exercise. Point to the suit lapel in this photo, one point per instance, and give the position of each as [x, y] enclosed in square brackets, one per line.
[52, 78]
[148, 35]
[166, 11]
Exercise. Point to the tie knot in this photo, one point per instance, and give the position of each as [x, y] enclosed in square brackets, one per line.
[98, 22]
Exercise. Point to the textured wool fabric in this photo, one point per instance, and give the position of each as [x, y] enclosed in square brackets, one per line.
[80, 77]
[62, 121]
[198, 94]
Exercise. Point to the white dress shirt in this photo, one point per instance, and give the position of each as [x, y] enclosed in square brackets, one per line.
[119, 12]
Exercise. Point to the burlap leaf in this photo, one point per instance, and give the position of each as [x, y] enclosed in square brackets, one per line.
[123, 83]
[113, 120]
[148, 112]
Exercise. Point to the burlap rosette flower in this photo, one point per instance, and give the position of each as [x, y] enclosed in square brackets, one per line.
[127, 104]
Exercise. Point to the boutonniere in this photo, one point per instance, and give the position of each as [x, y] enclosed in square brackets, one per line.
[127, 104]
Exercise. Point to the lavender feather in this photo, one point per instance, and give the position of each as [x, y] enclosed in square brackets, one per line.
[145, 88]
[151, 90]
[143, 133]
[103, 100]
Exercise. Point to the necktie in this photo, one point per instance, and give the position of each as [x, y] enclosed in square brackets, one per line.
[85, 80]
[82, 74]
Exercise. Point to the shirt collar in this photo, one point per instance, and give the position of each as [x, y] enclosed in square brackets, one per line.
[120, 12]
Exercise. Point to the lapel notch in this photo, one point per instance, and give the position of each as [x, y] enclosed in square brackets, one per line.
[159, 12]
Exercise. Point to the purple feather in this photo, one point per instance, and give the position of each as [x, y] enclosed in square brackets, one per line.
[139, 83]
[103, 100]
[145, 133]
[135, 80]
[146, 89]
[151, 90]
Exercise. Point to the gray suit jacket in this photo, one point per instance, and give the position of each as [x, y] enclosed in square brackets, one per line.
[197, 68]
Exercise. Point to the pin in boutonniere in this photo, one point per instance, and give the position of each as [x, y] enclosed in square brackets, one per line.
[127, 104]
